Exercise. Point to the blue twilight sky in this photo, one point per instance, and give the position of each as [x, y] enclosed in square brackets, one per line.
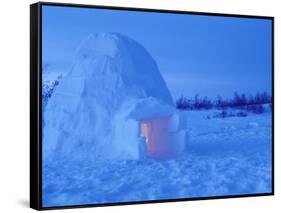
[195, 54]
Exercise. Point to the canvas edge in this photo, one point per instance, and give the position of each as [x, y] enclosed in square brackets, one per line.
[273, 106]
[159, 201]
[35, 76]
[152, 10]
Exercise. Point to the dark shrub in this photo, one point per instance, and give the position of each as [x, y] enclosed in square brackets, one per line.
[224, 113]
[241, 114]
[47, 90]
[258, 109]
[208, 117]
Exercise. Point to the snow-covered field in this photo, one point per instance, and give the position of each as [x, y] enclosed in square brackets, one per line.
[223, 157]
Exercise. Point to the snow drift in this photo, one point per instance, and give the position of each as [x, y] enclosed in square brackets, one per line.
[113, 103]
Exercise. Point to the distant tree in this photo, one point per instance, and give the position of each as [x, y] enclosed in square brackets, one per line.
[183, 103]
[219, 102]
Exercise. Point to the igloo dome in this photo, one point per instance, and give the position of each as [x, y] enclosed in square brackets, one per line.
[113, 103]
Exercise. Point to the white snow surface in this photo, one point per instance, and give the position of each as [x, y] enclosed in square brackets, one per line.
[229, 156]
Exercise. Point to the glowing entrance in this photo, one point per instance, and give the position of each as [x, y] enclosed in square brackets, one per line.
[162, 137]
[144, 131]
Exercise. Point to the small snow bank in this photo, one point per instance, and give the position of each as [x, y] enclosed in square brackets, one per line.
[253, 125]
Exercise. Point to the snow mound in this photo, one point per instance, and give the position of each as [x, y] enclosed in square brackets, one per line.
[96, 109]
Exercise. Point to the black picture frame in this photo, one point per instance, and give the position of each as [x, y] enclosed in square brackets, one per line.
[36, 103]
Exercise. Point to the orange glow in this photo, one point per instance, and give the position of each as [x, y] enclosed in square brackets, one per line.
[144, 130]
[162, 137]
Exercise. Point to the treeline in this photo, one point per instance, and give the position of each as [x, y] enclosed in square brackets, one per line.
[237, 101]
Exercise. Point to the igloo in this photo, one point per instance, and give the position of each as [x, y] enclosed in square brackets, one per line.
[112, 104]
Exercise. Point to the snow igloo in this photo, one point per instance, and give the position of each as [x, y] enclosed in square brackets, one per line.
[112, 104]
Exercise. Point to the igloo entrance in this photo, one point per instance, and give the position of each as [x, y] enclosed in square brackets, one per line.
[163, 137]
[144, 131]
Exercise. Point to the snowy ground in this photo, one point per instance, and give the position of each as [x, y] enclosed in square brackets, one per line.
[224, 157]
